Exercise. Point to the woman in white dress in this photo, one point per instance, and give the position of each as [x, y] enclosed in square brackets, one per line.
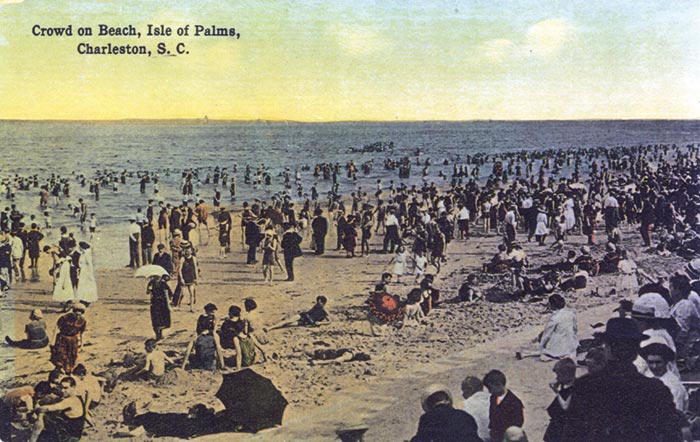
[87, 285]
[569, 216]
[63, 286]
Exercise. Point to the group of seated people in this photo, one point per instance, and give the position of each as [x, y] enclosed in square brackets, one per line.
[512, 259]
[53, 410]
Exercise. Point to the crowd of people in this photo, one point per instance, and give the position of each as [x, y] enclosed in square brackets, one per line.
[650, 189]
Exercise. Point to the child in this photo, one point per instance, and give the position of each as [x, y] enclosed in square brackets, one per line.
[467, 292]
[505, 409]
[47, 219]
[154, 367]
[413, 312]
[311, 317]
[400, 261]
[419, 264]
[92, 225]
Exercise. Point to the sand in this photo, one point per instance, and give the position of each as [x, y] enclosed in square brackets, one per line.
[383, 393]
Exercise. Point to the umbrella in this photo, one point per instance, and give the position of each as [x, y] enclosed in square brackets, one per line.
[386, 307]
[251, 400]
[150, 270]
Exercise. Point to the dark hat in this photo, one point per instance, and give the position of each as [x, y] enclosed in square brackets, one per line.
[658, 348]
[210, 308]
[622, 329]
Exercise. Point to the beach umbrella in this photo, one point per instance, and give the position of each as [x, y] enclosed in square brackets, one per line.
[150, 270]
[385, 306]
[251, 400]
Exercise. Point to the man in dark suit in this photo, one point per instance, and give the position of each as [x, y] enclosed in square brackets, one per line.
[441, 422]
[618, 404]
[319, 226]
[291, 249]
[506, 409]
[252, 240]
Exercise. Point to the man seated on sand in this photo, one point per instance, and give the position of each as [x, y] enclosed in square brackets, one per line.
[64, 420]
[312, 317]
[89, 389]
[506, 409]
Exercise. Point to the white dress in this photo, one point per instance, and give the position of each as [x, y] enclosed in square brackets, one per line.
[569, 217]
[87, 285]
[541, 227]
[63, 288]
[400, 263]
[559, 336]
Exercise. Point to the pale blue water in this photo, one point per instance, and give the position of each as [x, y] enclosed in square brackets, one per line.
[66, 148]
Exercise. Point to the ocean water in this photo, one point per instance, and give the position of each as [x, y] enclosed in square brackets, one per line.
[71, 148]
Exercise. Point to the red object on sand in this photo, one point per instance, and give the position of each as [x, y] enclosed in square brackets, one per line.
[385, 306]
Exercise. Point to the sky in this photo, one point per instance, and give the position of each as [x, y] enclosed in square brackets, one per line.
[330, 60]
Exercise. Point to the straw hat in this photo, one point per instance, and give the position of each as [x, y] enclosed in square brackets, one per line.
[37, 314]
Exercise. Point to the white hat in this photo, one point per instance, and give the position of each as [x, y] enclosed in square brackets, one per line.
[431, 390]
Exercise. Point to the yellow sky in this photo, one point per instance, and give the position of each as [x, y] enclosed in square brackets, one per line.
[360, 60]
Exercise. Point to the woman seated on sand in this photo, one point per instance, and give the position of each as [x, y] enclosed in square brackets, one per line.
[558, 340]
[234, 336]
[36, 333]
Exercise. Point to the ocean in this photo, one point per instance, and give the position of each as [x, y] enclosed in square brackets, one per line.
[72, 148]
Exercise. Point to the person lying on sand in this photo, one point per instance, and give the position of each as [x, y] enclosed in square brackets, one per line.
[309, 318]
[325, 356]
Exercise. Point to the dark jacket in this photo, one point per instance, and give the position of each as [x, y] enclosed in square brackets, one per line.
[509, 413]
[621, 405]
[290, 245]
[446, 424]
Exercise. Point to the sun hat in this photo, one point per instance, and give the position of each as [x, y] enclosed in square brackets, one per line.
[431, 390]
[37, 313]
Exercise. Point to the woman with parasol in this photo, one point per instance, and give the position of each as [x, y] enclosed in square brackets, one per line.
[160, 295]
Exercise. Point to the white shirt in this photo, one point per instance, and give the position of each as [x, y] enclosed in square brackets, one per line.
[477, 405]
[463, 214]
[17, 247]
[391, 220]
[134, 230]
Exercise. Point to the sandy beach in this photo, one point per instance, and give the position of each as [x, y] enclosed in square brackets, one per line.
[383, 393]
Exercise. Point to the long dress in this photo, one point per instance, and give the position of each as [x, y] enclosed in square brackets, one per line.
[87, 285]
[63, 287]
[559, 336]
[569, 215]
[65, 350]
[160, 312]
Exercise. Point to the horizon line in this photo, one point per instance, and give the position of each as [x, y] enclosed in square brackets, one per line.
[286, 121]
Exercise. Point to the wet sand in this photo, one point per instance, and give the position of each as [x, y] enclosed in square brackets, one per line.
[383, 393]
